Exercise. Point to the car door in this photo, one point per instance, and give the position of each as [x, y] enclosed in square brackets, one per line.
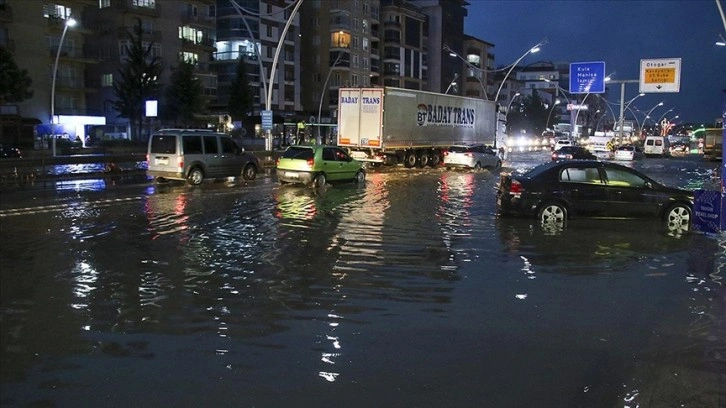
[345, 166]
[629, 194]
[212, 157]
[231, 161]
[583, 188]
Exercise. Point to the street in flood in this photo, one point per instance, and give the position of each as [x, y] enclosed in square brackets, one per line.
[406, 291]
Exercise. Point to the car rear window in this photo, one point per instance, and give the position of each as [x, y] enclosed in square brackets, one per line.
[161, 144]
[459, 149]
[298, 153]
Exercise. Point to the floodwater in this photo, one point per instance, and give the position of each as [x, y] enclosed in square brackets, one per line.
[408, 291]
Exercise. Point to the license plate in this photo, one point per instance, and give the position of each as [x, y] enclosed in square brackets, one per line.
[291, 174]
[162, 162]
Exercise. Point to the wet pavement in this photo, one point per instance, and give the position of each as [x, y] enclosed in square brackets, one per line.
[407, 291]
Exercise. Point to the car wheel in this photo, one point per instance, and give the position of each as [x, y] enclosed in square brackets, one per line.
[410, 160]
[552, 215]
[360, 177]
[249, 172]
[678, 218]
[319, 180]
[477, 166]
[196, 176]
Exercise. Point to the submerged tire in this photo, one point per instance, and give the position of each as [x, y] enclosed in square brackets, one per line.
[409, 161]
[319, 180]
[249, 172]
[423, 159]
[552, 215]
[196, 176]
[360, 177]
[435, 159]
[678, 218]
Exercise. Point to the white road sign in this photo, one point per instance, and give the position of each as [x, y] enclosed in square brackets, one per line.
[660, 75]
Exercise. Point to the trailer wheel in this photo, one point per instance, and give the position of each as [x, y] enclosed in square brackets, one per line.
[435, 159]
[409, 160]
[423, 158]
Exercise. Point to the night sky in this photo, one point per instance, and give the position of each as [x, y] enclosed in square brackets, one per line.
[620, 33]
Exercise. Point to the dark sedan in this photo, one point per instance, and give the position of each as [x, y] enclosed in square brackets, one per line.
[555, 191]
[572, 153]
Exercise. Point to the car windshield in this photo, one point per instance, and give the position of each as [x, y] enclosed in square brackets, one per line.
[300, 153]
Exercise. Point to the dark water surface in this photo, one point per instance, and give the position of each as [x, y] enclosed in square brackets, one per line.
[406, 292]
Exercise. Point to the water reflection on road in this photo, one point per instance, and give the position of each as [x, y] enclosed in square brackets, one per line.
[407, 291]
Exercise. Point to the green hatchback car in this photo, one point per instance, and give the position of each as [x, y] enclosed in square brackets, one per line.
[316, 165]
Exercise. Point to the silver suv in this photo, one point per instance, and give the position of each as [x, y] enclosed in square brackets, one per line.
[195, 155]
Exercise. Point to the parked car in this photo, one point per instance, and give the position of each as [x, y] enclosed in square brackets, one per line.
[471, 157]
[627, 152]
[10, 152]
[195, 155]
[556, 191]
[572, 153]
[315, 165]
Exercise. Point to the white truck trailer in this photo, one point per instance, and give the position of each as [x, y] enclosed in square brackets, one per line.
[394, 125]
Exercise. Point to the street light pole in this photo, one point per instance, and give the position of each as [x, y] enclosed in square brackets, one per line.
[557, 102]
[470, 66]
[69, 23]
[452, 83]
[532, 50]
[325, 87]
[268, 102]
[647, 115]
[622, 101]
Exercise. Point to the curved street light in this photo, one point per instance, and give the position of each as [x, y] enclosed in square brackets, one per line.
[557, 102]
[470, 66]
[268, 101]
[325, 87]
[647, 115]
[452, 83]
[532, 50]
[512, 100]
[582, 103]
[69, 23]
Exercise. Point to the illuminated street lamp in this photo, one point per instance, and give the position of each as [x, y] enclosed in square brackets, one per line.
[454, 54]
[557, 102]
[512, 100]
[532, 50]
[69, 23]
[452, 83]
[647, 115]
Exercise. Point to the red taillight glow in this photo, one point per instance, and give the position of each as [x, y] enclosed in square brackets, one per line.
[180, 162]
[469, 154]
[515, 187]
[310, 162]
[277, 162]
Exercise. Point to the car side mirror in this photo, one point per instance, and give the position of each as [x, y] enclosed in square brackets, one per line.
[648, 184]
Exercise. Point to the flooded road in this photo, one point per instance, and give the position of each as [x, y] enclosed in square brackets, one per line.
[407, 291]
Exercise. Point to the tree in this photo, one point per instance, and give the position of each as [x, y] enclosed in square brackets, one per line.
[138, 81]
[529, 116]
[241, 97]
[14, 82]
[184, 97]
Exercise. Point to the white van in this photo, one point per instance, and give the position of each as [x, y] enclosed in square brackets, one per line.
[656, 146]
[195, 155]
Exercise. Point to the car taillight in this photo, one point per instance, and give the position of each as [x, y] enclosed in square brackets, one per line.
[446, 152]
[515, 187]
[469, 154]
[180, 162]
[568, 156]
[277, 162]
[310, 162]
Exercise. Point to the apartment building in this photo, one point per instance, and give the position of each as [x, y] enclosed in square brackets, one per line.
[175, 30]
[251, 30]
[48, 40]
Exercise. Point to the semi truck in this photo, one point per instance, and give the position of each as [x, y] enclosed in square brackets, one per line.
[393, 126]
